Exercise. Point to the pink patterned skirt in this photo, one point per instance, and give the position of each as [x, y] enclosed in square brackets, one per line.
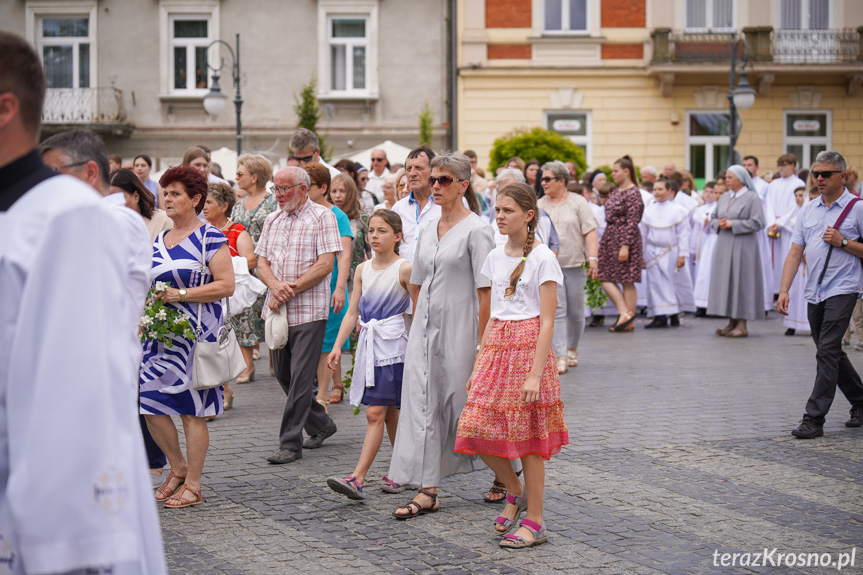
[495, 420]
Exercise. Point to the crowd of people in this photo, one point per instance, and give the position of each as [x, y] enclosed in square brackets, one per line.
[460, 299]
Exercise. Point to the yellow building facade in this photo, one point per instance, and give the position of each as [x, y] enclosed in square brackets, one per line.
[651, 78]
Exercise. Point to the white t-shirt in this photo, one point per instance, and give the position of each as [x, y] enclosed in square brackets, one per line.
[541, 266]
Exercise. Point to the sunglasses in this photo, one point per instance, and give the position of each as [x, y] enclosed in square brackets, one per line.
[444, 180]
[546, 179]
[827, 174]
[304, 159]
[379, 159]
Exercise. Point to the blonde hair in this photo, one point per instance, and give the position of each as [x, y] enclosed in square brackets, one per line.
[259, 166]
[351, 207]
[525, 197]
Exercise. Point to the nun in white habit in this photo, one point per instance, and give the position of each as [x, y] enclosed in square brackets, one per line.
[75, 495]
[736, 288]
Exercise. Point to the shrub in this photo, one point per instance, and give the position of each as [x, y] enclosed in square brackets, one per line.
[544, 145]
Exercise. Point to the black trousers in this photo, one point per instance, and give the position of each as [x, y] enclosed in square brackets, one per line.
[296, 365]
[828, 321]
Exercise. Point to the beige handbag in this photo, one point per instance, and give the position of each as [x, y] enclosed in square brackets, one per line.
[215, 362]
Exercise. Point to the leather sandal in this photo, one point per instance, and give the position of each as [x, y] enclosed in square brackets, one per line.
[497, 488]
[415, 509]
[177, 501]
[737, 332]
[337, 395]
[507, 523]
[164, 492]
[620, 327]
[540, 536]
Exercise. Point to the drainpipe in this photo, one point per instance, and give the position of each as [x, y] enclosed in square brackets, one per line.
[453, 75]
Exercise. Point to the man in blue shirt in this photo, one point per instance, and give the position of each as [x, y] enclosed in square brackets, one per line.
[832, 288]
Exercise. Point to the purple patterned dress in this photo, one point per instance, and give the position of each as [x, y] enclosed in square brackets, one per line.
[622, 214]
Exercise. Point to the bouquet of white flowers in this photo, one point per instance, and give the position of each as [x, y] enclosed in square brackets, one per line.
[160, 322]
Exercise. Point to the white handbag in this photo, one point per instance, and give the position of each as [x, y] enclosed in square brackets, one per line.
[276, 328]
[217, 362]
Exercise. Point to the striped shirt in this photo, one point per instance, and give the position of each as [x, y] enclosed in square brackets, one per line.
[292, 243]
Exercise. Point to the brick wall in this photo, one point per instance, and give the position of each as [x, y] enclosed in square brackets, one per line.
[621, 13]
[507, 13]
[508, 51]
[622, 51]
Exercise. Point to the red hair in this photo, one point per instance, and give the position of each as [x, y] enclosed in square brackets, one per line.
[193, 183]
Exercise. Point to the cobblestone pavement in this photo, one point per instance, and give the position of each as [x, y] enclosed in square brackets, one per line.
[680, 447]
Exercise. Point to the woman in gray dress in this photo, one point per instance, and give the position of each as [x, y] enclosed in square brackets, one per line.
[736, 284]
[451, 313]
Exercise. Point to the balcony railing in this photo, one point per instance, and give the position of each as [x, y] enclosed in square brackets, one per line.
[765, 45]
[83, 106]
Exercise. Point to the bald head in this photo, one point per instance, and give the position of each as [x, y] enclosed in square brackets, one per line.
[379, 161]
[291, 185]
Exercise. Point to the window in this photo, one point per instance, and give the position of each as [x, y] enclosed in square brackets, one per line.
[347, 48]
[574, 125]
[707, 144]
[804, 14]
[185, 30]
[805, 134]
[709, 15]
[190, 37]
[64, 44]
[565, 16]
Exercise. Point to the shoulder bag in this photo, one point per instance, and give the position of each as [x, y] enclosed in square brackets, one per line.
[217, 362]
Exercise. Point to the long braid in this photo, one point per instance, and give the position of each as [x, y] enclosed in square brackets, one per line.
[528, 246]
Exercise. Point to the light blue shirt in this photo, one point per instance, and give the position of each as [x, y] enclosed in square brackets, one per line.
[844, 272]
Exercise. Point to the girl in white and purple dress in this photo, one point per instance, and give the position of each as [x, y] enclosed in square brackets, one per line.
[382, 294]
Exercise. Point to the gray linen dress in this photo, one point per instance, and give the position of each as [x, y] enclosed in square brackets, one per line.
[441, 352]
[736, 277]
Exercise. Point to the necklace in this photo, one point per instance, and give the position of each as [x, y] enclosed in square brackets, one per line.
[181, 238]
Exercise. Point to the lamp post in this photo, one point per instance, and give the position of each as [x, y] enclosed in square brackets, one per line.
[742, 97]
[215, 100]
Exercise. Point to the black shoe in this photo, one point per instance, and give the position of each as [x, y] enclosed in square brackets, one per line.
[700, 312]
[856, 417]
[285, 456]
[597, 321]
[317, 439]
[675, 320]
[790, 331]
[657, 323]
[808, 429]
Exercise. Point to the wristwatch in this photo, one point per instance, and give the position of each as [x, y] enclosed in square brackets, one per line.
[183, 294]
[844, 242]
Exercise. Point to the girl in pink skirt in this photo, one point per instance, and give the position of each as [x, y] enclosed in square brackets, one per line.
[513, 407]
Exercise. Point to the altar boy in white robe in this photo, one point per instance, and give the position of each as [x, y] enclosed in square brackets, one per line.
[798, 318]
[665, 231]
[702, 240]
[781, 206]
[74, 491]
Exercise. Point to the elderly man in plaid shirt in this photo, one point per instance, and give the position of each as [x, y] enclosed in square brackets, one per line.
[296, 251]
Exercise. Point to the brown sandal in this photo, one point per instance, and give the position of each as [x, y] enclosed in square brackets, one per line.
[337, 395]
[497, 488]
[414, 508]
[178, 497]
[164, 492]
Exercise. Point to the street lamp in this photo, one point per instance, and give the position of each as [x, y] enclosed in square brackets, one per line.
[741, 97]
[215, 100]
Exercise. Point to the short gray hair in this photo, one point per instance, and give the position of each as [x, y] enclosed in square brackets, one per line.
[81, 146]
[559, 169]
[455, 163]
[508, 173]
[649, 170]
[835, 159]
[303, 138]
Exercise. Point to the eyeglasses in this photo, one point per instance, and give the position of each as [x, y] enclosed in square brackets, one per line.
[443, 180]
[379, 159]
[546, 179]
[826, 174]
[67, 166]
[304, 159]
[282, 190]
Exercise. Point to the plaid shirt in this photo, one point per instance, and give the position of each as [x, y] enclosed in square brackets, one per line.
[292, 243]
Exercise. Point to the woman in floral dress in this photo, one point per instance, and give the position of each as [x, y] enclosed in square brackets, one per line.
[253, 173]
[620, 255]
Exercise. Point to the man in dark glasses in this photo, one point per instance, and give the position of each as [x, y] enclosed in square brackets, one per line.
[828, 230]
[307, 150]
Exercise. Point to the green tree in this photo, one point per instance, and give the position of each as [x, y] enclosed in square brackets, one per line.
[544, 145]
[426, 125]
[308, 112]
